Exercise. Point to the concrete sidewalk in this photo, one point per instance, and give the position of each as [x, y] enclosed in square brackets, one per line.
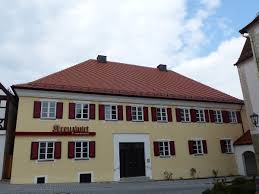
[151, 187]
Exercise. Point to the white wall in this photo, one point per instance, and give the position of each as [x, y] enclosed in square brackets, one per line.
[239, 150]
[252, 69]
[250, 85]
[2, 146]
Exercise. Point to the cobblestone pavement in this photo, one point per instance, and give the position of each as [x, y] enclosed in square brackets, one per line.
[150, 187]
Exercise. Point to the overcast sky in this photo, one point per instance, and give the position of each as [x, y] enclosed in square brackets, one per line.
[199, 39]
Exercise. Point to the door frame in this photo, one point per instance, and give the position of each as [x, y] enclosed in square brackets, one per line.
[131, 138]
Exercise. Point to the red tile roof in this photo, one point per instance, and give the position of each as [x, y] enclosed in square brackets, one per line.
[245, 139]
[116, 78]
[246, 52]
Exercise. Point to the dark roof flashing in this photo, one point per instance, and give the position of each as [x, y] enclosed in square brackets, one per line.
[246, 52]
[245, 29]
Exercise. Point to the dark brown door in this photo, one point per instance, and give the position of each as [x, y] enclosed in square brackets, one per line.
[132, 160]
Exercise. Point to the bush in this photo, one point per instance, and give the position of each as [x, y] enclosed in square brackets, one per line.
[247, 187]
[238, 186]
[168, 175]
[215, 173]
[193, 172]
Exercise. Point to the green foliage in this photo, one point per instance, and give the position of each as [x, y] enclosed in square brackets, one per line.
[215, 173]
[237, 186]
[193, 172]
[239, 180]
[168, 175]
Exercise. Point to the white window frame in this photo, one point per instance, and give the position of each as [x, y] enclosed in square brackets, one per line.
[81, 151]
[137, 113]
[110, 106]
[163, 155]
[199, 118]
[198, 152]
[159, 112]
[48, 111]
[217, 116]
[82, 109]
[229, 146]
[232, 116]
[183, 114]
[46, 151]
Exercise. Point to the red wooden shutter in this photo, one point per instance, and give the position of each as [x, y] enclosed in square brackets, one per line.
[72, 107]
[190, 144]
[169, 115]
[178, 114]
[225, 115]
[36, 109]
[92, 149]
[57, 152]
[207, 118]
[145, 109]
[128, 113]
[92, 111]
[120, 112]
[59, 110]
[239, 118]
[101, 112]
[223, 146]
[154, 113]
[212, 118]
[204, 144]
[156, 148]
[71, 149]
[193, 115]
[172, 148]
[34, 150]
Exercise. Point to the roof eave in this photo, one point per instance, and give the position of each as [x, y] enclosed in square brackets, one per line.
[241, 61]
[240, 102]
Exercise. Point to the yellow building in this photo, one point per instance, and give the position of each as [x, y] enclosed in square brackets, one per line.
[107, 121]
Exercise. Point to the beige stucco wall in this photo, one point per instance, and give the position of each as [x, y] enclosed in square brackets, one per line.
[66, 170]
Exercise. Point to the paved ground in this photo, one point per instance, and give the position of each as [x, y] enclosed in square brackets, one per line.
[150, 187]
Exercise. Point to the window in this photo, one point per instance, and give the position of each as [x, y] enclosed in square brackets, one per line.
[81, 150]
[82, 111]
[46, 151]
[85, 178]
[48, 109]
[218, 116]
[164, 148]
[197, 147]
[137, 113]
[228, 146]
[185, 115]
[40, 180]
[2, 113]
[200, 115]
[161, 114]
[2, 103]
[232, 117]
[110, 112]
